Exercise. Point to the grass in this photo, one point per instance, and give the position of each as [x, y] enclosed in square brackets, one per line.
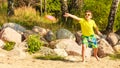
[50, 57]
[115, 56]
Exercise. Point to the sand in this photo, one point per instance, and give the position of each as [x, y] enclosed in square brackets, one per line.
[29, 62]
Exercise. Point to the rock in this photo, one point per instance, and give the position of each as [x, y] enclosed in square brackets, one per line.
[73, 58]
[118, 32]
[104, 48]
[1, 43]
[64, 34]
[39, 30]
[70, 46]
[49, 36]
[45, 51]
[78, 37]
[112, 39]
[117, 48]
[14, 26]
[11, 35]
[61, 52]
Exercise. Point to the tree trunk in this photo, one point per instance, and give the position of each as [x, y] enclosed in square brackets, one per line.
[45, 6]
[10, 8]
[41, 7]
[64, 8]
[76, 7]
[111, 17]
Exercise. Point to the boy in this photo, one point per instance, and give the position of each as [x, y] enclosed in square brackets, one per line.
[88, 36]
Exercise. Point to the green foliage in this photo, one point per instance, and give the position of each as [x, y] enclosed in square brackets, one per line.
[53, 6]
[100, 11]
[3, 13]
[117, 20]
[9, 46]
[34, 43]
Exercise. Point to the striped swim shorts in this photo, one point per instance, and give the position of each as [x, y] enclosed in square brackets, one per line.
[89, 41]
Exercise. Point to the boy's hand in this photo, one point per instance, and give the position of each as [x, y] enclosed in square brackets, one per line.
[66, 15]
[102, 36]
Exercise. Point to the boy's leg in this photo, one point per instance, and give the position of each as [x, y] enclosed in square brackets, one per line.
[95, 53]
[94, 46]
[83, 52]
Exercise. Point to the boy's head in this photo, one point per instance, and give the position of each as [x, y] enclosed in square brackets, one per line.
[88, 14]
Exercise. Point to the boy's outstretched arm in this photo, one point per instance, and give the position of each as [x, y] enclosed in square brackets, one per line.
[72, 16]
[98, 32]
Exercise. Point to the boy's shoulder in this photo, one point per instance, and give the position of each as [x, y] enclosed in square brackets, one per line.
[81, 19]
[92, 20]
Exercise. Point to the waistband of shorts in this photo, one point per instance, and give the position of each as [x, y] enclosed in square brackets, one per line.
[88, 36]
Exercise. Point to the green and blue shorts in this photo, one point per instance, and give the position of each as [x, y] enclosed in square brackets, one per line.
[89, 41]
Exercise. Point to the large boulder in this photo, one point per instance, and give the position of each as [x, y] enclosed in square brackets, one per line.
[49, 36]
[27, 33]
[45, 51]
[78, 37]
[39, 30]
[61, 52]
[9, 34]
[14, 26]
[104, 48]
[118, 32]
[64, 34]
[117, 48]
[1, 43]
[71, 47]
[112, 38]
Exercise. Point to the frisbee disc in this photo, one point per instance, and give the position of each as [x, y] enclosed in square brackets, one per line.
[52, 18]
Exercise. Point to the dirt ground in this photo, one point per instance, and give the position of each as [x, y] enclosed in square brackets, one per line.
[29, 62]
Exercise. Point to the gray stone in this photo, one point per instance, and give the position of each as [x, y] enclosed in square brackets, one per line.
[14, 26]
[64, 34]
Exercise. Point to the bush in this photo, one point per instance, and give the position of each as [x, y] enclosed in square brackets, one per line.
[34, 43]
[9, 46]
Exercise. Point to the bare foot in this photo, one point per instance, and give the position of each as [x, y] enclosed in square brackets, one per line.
[97, 58]
[83, 60]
